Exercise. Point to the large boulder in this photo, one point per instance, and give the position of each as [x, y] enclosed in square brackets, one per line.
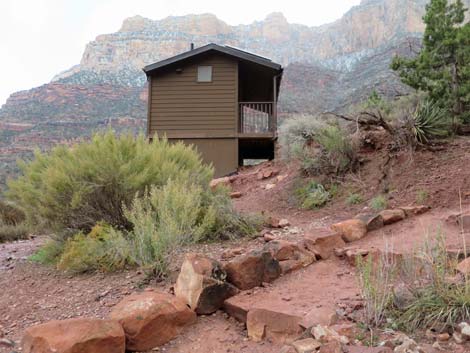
[351, 229]
[202, 284]
[251, 269]
[392, 216]
[290, 255]
[75, 336]
[275, 326]
[323, 246]
[372, 221]
[151, 319]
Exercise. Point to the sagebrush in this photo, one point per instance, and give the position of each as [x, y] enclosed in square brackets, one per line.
[378, 203]
[72, 188]
[323, 147]
[12, 223]
[163, 220]
[354, 199]
[312, 195]
[120, 201]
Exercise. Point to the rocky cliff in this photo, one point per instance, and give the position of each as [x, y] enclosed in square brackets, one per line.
[338, 45]
[327, 68]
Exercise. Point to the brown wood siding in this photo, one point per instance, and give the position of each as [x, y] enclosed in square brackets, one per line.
[221, 153]
[182, 107]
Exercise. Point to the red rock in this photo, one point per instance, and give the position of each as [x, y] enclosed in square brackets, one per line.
[351, 229]
[275, 222]
[324, 316]
[288, 266]
[290, 255]
[415, 210]
[151, 319]
[251, 269]
[75, 336]
[348, 330]
[443, 337]
[230, 253]
[275, 326]
[202, 284]
[331, 347]
[267, 173]
[373, 221]
[464, 222]
[267, 237]
[464, 266]
[306, 345]
[283, 250]
[353, 254]
[287, 349]
[225, 181]
[236, 195]
[362, 349]
[235, 309]
[392, 216]
[324, 246]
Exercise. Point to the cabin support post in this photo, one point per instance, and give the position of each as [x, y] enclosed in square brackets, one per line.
[274, 123]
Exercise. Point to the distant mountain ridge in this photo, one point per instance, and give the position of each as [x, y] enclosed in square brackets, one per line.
[337, 45]
[326, 68]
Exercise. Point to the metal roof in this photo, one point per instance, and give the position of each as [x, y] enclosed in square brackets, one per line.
[231, 51]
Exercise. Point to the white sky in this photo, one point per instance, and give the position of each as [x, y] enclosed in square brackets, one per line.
[40, 38]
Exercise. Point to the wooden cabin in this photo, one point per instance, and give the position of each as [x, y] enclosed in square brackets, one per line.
[221, 99]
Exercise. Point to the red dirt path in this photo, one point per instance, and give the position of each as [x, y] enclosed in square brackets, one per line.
[32, 293]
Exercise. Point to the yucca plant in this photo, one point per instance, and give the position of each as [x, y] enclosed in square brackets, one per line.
[429, 121]
[312, 195]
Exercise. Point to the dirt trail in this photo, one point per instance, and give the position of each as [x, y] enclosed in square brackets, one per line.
[32, 293]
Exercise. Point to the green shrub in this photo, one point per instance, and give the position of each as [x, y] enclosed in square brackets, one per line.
[376, 279]
[120, 201]
[10, 232]
[436, 301]
[162, 220]
[312, 195]
[354, 199]
[322, 147]
[432, 298]
[103, 249]
[49, 253]
[421, 196]
[73, 188]
[429, 121]
[10, 214]
[177, 214]
[378, 203]
[12, 223]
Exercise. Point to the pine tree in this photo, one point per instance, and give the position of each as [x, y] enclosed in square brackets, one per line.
[442, 68]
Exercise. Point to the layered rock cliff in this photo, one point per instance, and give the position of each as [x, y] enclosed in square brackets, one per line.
[338, 45]
[327, 68]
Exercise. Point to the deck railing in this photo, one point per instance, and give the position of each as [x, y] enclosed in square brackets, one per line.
[257, 117]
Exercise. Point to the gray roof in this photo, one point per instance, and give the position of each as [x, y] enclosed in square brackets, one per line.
[231, 51]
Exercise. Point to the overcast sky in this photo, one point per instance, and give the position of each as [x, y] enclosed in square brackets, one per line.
[40, 38]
